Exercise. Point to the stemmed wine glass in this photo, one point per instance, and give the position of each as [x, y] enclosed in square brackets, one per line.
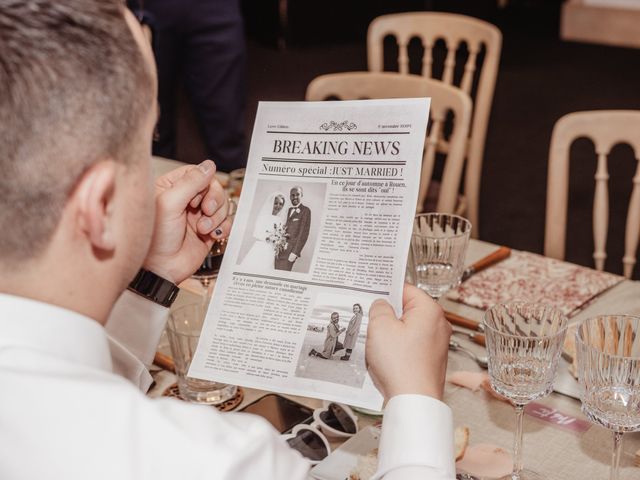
[524, 342]
[438, 249]
[608, 360]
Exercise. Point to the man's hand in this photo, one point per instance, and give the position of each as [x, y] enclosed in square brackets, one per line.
[408, 355]
[191, 213]
[292, 257]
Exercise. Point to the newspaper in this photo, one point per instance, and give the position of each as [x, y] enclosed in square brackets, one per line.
[322, 230]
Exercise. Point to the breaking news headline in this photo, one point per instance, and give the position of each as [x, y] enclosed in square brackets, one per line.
[337, 147]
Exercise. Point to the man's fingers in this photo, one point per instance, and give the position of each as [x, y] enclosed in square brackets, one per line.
[381, 310]
[409, 292]
[223, 230]
[214, 199]
[417, 304]
[220, 231]
[195, 202]
[207, 224]
[414, 297]
[187, 183]
[168, 179]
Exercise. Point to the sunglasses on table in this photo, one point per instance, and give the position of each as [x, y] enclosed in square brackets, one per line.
[334, 420]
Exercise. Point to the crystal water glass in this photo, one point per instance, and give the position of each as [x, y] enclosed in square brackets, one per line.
[438, 249]
[183, 329]
[608, 361]
[524, 343]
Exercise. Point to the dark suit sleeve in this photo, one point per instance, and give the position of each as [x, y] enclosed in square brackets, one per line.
[304, 231]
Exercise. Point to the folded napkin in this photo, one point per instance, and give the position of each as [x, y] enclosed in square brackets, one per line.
[533, 278]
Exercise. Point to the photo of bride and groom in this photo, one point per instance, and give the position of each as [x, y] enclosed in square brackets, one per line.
[281, 230]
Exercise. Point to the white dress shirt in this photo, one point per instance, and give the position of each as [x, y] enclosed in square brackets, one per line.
[71, 407]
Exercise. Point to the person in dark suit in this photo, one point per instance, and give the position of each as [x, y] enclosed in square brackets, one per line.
[297, 225]
[201, 44]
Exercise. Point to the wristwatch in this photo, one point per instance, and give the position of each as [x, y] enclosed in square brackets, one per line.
[155, 288]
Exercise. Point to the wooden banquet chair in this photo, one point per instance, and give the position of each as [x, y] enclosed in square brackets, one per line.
[444, 99]
[478, 81]
[606, 128]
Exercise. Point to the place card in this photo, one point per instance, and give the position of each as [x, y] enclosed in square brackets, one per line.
[556, 418]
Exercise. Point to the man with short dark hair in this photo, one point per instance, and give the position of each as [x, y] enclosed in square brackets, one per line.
[77, 221]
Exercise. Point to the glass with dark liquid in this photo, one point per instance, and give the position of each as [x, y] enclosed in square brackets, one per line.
[211, 264]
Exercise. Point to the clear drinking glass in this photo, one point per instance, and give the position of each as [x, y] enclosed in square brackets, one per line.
[608, 360]
[438, 248]
[524, 343]
[183, 329]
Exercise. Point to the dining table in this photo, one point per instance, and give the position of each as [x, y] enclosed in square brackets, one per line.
[559, 441]
[551, 447]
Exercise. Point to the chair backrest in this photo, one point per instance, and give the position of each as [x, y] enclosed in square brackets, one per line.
[444, 99]
[606, 128]
[454, 30]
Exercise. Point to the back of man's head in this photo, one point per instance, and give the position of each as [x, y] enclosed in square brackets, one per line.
[74, 89]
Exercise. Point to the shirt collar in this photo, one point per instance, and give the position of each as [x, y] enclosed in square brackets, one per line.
[57, 331]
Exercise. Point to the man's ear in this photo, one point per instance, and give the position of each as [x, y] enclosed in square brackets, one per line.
[94, 199]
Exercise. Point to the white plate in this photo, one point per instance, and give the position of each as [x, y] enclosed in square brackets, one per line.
[343, 460]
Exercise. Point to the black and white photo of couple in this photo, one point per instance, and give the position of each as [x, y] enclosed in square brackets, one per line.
[281, 229]
[333, 347]
[332, 342]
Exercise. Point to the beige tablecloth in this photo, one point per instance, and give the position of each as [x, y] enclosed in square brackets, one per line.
[549, 450]
[554, 452]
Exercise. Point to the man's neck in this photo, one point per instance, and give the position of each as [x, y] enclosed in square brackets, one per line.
[61, 285]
